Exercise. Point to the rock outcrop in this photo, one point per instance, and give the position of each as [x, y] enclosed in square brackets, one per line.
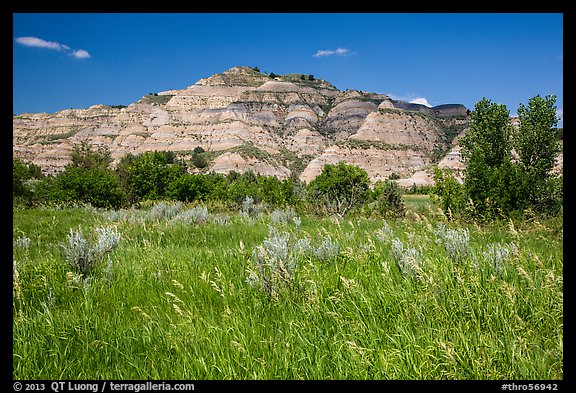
[247, 120]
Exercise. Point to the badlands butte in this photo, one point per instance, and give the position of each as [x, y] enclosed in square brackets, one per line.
[246, 120]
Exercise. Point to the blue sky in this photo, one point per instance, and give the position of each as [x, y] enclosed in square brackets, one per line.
[78, 60]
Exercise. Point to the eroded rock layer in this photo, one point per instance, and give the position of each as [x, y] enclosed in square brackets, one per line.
[246, 120]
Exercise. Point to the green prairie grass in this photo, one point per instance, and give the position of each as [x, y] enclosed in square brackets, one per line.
[172, 301]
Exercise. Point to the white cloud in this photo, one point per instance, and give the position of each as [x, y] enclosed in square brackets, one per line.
[421, 101]
[411, 98]
[80, 54]
[336, 52]
[40, 43]
[35, 42]
[560, 114]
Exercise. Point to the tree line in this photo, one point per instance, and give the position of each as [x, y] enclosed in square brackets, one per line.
[159, 175]
[508, 172]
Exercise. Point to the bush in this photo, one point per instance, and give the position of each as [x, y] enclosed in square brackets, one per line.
[449, 193]
[328, 250]
[284, 216]
[455, 242]
[98, 186]
[409, 259]
[164, 211]
[273, 266]
[149, 174]
[339, 188]
[22, 172]
[199, 161]
[188, 188]
[196, 215]
[84, 155]
[21, 242]
[83, 256]
[496, 256]
[386, 200]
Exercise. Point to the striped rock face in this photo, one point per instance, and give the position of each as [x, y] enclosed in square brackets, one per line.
[246, 120]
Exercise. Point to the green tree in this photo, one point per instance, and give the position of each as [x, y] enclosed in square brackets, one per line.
[198, 160]
[486, 150]
[125, 178]
[188, 187]
[34, 171]
[386, 200]
[339, 188]
[20, 174]
[294, 190]
[87, 178]
[217, 186]
[494, 183]
[449, 194]
[98, 186]
[149, 174]
[25, 177]
[271, 190]
[537, 145]
[84, 155]
[242, 185]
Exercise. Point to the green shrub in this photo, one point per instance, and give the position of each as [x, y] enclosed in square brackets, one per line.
[84, 155]
[339, 188]
[188, 188]
[449, 193]
[83, 256]
[98, 187]
[149, 174]
[386, 200]
[22, 172]
[199, 161]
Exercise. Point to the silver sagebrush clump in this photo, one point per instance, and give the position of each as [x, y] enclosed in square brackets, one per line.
[455, 242]
[83, 256]
[273, 266]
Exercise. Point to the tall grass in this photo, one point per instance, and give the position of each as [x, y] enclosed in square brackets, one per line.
[176, 300]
